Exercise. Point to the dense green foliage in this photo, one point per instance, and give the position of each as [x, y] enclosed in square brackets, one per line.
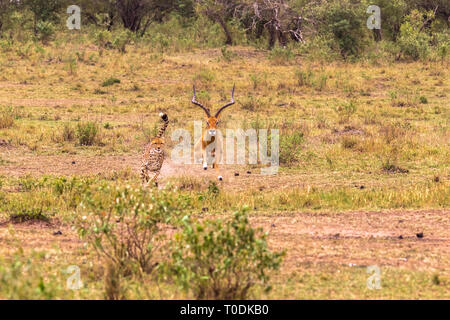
[409, 29]
[221, 259]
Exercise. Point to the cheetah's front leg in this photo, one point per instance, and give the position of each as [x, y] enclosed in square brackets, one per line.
[153, 179]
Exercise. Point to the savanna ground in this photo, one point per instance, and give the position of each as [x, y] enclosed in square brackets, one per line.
[364, 176]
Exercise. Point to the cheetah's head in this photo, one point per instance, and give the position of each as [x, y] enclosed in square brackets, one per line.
[157, 144]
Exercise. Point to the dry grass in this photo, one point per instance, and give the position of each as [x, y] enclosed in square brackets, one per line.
[356, 138]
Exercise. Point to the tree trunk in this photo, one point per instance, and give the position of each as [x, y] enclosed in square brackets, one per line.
[223, 24]
[377, 36]
[272, 36]
[282, 41]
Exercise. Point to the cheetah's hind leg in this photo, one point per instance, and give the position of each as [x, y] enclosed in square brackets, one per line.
[144, 175]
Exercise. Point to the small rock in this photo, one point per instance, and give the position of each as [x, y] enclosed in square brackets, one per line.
[362, 187]
[249, 172]
[205, 209]
[419, 235]
[236, 174]
[73, 162]
[400, 237]
[337, 235]
[57, 233]
[436, 179]
[273, 225]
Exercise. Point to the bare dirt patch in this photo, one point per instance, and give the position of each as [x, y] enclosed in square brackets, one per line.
[362, 238]
[352, 238]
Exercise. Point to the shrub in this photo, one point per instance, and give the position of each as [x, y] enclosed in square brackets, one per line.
[110, 81]
[213, 189]
[121, 40]
[307, 78]
[25, 209]
[423, 100]
[86, 133]
[221, 260]
[227, 55]
[304, 78]
[389, 167]
[414, 43]
[45, 30]
[6, 120]
[102, 38]
[391, 132]
[68, 133]
[251, 103]
[23, 278]
[346, 111]
[290, 147]
[281, 56]
[28, 214]
[349, 142]
[347, 24]
[123, 225]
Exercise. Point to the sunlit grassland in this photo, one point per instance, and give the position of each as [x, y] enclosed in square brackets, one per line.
[44, 276]
[370, 135]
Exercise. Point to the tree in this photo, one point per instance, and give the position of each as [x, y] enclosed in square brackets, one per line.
[44, 10]
[221, 12]
[4, 6]
[279, 18]
[137, 15]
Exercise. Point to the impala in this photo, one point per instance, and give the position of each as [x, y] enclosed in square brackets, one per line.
[209, 134]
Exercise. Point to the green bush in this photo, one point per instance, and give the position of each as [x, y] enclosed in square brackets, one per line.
[123, 225]
[290, 143]
[22, 278]
[346, 22]
[110, 81]
[413, 42]
[102, 38]
[45, 30]
[121, 40]
[217, 259]
[25, 209]
[86, 133]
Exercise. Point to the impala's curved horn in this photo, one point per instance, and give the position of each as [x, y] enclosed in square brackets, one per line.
[228, 104]
[194, 101]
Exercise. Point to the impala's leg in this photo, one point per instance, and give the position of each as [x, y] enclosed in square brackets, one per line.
[205, 159]
[216, 166]
[216, 157]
